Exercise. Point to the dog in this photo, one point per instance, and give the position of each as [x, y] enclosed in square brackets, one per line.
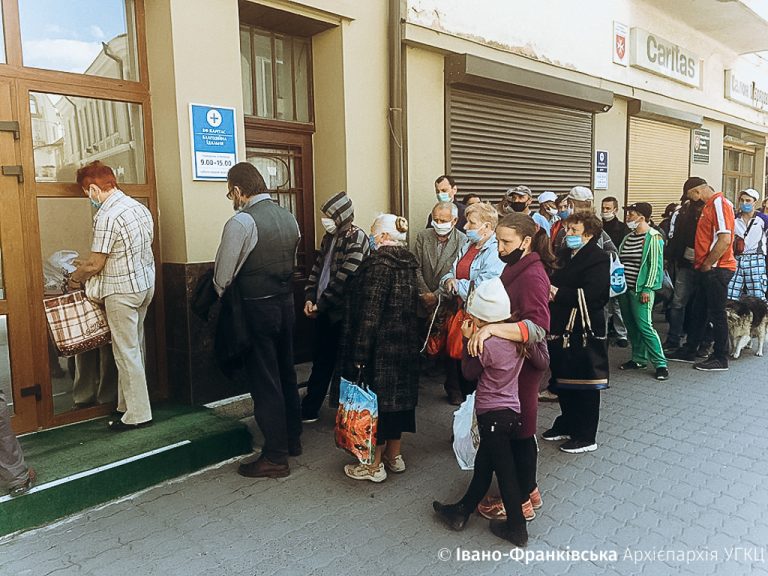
[747, 319]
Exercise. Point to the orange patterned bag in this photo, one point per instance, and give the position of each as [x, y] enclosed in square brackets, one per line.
[356, 421]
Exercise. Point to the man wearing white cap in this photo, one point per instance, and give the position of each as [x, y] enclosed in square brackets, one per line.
[547, 214]
[581, 199]
[749, 247]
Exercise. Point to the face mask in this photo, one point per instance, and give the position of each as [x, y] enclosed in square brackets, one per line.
[329, 225]
[442, 229]
[517, 206]
[372, 242]
[473, 236]
[95, 203]
[513, 257]
[574, 242]
[608, 216]
[747, 207]
[552, 211]
[633, 224]
[443, 197]
[564, 214]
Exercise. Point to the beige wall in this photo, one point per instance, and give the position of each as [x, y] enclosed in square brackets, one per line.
[610, 133]
[192, 60]
[426, 131]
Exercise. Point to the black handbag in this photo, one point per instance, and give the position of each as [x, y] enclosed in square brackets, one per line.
[579, 362]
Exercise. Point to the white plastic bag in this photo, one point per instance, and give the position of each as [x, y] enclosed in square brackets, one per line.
[53, 269]
[466, 437]
[618, 279]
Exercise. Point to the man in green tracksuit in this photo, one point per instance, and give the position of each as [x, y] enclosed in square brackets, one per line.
[642, 254]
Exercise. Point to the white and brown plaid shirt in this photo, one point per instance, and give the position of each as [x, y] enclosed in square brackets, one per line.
[123, 229]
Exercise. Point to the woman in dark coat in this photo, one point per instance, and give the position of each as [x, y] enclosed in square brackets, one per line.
[583, 264]
[381, 335]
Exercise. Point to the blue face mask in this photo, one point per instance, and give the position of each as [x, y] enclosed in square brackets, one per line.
[747, 207]
[443, 197]
[574, 242]
[95, 203]
[563, 214]
[372, 242]
[473, 236]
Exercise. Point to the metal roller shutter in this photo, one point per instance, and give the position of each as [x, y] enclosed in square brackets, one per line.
[495, 143]
[658, 163]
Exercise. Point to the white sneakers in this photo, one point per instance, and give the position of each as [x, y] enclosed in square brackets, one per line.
[366, 472]
[375, 473]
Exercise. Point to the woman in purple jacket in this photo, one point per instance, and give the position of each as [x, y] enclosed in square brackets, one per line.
[525, 249]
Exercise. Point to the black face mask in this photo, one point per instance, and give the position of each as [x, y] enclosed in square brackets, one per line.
[517, 206]
[513, 257]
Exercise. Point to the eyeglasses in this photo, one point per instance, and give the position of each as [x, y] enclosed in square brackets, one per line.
[231, 193]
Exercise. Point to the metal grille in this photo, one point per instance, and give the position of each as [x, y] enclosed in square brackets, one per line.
[495, 143]
[658, 163]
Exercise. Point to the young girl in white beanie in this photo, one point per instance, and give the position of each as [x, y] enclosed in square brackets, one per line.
[497, 406]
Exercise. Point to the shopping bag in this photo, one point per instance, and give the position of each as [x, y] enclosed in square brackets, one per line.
[437, 333]
[618, 278]
[580, 361]
[76, 324]
[466, 437]
[356, 421]
[455, 341]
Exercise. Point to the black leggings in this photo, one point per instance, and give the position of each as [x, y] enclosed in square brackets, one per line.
[526, 454]
[497, 430]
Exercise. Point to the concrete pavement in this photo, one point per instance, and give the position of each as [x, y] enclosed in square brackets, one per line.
[677, 486]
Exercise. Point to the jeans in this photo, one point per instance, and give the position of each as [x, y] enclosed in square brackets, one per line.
[497, 431]
[709, 306]
[325, 350]
[580, 413]
[272, 376]
[612, 310]
[685, 289]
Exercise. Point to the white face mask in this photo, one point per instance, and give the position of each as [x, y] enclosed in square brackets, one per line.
[552, 211]
[607, 216]
[633, 224]
[329, 225]
[442, 229]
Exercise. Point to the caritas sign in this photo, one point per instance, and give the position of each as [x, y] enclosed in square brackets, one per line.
[664, 58]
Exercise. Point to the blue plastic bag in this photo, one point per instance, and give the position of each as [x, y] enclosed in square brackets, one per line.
[356, 421]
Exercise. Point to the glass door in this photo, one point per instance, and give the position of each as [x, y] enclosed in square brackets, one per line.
[17, 379]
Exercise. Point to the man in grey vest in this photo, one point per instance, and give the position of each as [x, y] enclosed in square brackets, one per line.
[258, 253]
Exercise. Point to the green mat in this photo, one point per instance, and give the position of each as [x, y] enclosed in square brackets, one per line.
[85, 464]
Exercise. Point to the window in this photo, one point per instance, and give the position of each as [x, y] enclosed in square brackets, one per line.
[276, 72]
[738, 172]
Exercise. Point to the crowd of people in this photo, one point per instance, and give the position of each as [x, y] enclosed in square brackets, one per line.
[511, 304]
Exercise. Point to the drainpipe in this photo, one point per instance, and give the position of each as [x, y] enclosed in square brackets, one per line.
[395, 116]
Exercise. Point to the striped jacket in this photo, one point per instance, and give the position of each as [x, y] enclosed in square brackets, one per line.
[651, 273]
[348, 247]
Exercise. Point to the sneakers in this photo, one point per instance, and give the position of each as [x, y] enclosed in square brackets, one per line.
[670, 347]
[632, 365]
[492, 509]
[517, 535]
[712, 364]
[704, 350]
[662, 373]
[455, 516]
[578, 446]
[536, 498]
[366, 472]
[547, 396]
[553, 435]
[622, 343]
[397, 465]
[682, 355]
[26, 487]
[528, 512]
[310, 418]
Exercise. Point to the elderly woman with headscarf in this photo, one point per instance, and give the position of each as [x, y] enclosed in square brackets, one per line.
[381, 341]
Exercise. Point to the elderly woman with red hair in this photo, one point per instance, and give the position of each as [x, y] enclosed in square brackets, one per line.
[120, 272]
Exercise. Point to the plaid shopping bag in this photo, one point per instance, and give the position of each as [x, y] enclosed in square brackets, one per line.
[76, 324]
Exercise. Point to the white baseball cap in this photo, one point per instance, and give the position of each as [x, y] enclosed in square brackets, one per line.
[547, 197]
[752, 193]
[489, 301]
[580, 193]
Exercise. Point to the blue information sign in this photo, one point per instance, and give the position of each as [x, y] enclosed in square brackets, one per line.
[214, 141]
